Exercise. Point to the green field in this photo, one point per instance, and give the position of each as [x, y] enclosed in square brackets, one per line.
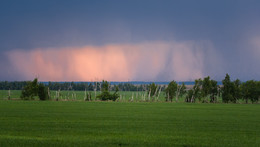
[78, 123]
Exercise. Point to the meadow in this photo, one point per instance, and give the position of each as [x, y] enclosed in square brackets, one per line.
[79, 123]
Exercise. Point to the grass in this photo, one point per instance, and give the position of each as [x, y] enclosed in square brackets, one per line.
[14, 94]
[75, 123]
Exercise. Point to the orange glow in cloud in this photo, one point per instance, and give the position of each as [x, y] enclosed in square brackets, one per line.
[154, 61]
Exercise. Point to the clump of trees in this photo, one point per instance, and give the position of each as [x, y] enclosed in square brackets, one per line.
[154, 91]
[174, 91]
[205, 90]
[34, 89]
[233, 91]
[105, 94]
[250, 91]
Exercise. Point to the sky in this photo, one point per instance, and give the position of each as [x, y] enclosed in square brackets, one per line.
[129, 40]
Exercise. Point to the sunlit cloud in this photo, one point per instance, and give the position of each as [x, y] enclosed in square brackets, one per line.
[149, 61]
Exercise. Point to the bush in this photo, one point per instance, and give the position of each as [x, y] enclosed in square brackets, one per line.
[43, 92]
[32, 89]
[105, 95]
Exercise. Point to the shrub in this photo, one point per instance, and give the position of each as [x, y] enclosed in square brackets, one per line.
[105, 95]
[32, 89]
[43, 92]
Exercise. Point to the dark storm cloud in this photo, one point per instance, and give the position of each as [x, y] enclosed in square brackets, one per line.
[228, 27]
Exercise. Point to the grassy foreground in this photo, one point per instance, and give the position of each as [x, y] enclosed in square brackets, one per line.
[73, 123]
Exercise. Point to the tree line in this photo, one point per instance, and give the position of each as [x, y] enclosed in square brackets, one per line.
[16, 85]
[204, 90]
[78, 86]
[207, 91]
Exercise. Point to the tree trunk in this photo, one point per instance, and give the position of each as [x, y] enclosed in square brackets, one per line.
[9, 94]
[159, 93]
[149, 95]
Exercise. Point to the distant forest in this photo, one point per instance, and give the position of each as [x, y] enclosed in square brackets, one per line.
[77, 86]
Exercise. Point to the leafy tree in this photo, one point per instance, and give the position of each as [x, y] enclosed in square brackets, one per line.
[33, 89]
[213, 91]
[30, 90]
[227, 89]
[231, 91]
[174, 90]
[152, 90]
[115, 95]
[251, 91]
[182, 89]
[189, 96]
[206, 86]
[209, 89]
[171, 90]
[237, 93]
[195, 92]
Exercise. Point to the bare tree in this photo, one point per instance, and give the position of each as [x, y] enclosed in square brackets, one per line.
[9, 94]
